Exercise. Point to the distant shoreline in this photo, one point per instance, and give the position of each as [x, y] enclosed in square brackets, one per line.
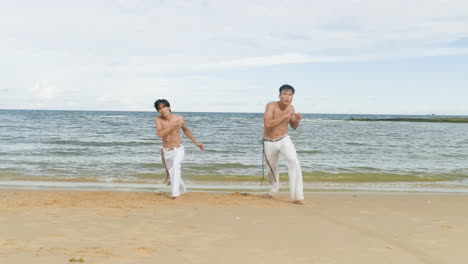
[430, 119]
[259, 113]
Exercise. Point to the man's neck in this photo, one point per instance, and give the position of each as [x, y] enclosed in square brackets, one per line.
[168, 117]
[282, 106]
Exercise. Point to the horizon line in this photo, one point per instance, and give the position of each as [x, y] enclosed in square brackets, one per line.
[226, 112]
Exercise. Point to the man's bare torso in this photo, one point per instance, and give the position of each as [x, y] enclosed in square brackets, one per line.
[274, 111]
[173, 139]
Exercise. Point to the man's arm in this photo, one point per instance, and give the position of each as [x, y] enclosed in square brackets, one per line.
[269, 121]
[163, 132]
[189, 134]
[295, 118]
[294, 122]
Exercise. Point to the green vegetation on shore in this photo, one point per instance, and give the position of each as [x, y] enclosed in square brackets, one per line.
[429, 119]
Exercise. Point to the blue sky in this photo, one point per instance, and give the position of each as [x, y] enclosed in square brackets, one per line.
[370, 57]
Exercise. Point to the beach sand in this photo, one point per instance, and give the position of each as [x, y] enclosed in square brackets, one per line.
[42, 226]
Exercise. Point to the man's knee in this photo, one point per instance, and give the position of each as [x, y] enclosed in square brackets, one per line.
[293, 161]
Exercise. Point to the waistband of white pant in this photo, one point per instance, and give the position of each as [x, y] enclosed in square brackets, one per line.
[274, 140]
[174, 148]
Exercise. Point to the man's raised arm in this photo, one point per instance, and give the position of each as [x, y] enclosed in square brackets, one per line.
[163, 132]
[294, 122]
[269, 121]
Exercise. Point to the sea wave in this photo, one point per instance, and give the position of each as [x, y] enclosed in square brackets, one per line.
[99, 143]
[380, 177]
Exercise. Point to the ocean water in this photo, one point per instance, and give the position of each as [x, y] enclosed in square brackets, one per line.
[120, 150]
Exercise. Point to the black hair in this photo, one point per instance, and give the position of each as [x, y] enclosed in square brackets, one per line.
[163, 102]
[286, 87]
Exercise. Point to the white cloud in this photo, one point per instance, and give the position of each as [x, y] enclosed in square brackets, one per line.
[303, 58]
[111, 54]
[180, 32]
[44, 91]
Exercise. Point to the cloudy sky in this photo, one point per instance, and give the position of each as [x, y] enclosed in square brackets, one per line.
[346, 56]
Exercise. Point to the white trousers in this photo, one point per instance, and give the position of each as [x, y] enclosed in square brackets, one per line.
[172, 160]
[286, 148]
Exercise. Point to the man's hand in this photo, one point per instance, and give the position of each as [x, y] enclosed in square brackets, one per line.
[298, 117]
[179, 122]
[201, 146]
[294, 120]
[290, 112]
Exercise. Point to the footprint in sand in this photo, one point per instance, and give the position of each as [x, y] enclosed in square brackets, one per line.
[146, 250]
[447, 227]
[365, 212]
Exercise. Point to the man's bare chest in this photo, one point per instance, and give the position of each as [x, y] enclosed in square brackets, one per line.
[278, 113]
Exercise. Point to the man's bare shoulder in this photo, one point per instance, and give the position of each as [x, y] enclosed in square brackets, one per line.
[159, 119]
[176, 116]
[272, 105]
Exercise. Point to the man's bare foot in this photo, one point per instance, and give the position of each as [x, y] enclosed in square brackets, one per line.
[299, 202]
[175, 198]
[268, 196]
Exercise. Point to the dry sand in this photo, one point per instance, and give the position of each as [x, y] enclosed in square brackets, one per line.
[38, 226]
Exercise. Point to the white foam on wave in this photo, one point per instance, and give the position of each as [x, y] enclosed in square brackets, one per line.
[441, 187]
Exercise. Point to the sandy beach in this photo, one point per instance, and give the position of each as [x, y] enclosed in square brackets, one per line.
[42, 226]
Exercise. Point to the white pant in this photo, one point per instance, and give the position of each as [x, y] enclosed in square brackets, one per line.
[172, 160]
[286, 148]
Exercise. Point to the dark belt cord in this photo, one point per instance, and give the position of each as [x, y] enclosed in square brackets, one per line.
[263, 166]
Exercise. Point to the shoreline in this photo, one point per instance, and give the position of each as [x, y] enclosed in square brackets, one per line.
[459, 187]
[43, 226]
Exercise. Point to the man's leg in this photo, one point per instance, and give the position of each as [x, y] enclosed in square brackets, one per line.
[178, 186]
[180, 158]
[288, 151]
[167, 179]
[271, 164]
[169, 162]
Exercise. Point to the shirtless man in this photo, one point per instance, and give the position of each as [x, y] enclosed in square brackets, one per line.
[168, 126]
[278, 115]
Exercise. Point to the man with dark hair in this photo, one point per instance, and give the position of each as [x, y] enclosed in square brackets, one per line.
[286, 87]
[278, 115]
[164, 102]
[168, 126]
